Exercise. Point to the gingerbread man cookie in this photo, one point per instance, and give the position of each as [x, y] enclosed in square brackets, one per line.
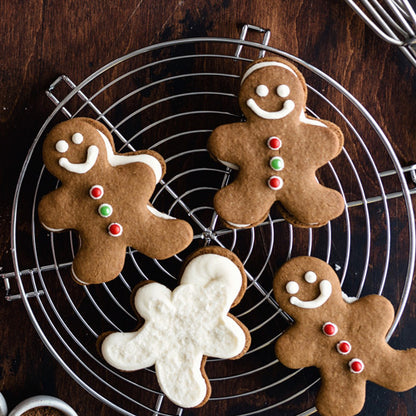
[343, 337]
[277, 152]
[184, 326]
[104, 195]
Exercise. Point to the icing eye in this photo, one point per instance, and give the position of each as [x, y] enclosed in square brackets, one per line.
[61, 146]
[310, 277]
[77, 138]
[262, 90]
[283, 91]
[292, 287]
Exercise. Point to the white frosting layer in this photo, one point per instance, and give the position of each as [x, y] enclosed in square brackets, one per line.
[117, 160]
[181, 327]
[159, 214]
[265, 64]
[233, 224]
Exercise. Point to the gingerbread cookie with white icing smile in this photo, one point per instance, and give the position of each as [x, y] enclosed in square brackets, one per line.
[343, 337]
[104, 195]
[277, 152]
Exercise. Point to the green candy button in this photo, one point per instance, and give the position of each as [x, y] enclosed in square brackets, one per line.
[276, 163]
[105, 210]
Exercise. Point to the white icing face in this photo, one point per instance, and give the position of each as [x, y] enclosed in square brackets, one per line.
[282, 91]
[84, 167]
[288, 107]
[114, 160]
[310, 277]
[181, 327]
[262, 91]
[62, 146]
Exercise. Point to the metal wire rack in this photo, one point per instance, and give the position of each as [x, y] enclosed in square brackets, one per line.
[394, 21]
[169, 97]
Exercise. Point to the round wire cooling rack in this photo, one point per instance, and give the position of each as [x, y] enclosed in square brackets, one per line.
[169, 97]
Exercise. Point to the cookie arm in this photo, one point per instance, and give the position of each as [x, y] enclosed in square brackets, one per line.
[54, 211]
[327, 137]
[394, 370]
[129, 351]
[225, 142]
[291, 346]
[163, 237]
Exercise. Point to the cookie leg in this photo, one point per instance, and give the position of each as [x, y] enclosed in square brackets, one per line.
[341, 396]
[98, 260]
[182, 377]
[397, 370]
[240, 204]
[162, 238]
[313, 207]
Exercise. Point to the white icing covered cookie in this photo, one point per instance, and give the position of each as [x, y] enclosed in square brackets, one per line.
[184, 326]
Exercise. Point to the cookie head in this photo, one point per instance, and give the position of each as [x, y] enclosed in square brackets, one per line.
[306, 284]
[272, 90]
[76, 147]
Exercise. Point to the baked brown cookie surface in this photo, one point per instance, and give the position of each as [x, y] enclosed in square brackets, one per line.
[184, 326]
[277, 152]
[104, 195]
[345, 338]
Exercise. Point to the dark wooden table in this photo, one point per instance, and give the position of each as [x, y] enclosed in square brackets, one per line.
[43, 39]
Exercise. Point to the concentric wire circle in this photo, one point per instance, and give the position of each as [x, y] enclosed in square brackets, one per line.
[169, 97]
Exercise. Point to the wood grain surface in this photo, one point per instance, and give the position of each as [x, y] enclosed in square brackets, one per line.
[41, 40]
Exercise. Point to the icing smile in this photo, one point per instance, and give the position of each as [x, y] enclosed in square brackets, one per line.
[92, 156]
[288, 107]
[325, 288]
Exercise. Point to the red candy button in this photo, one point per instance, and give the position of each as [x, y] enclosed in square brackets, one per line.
[344, 347]
[96, 192]
[329, 329]
[115, 229]
[356, 366]
[275, 183]
[274, 143]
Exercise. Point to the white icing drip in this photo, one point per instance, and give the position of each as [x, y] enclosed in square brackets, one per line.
[181, 327]
[288, 107]
[310, 277]
[92, 155]
[283, 91]
[159, 214]
[117, 160]
[348, 299]
[265, 64]
[262, 90]
[54, 230]
[292, 287]
[233, 224]
[229, 165]
[311, 121]
[61, 146]
[326, 291]
[76, 278]
[77, 138]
